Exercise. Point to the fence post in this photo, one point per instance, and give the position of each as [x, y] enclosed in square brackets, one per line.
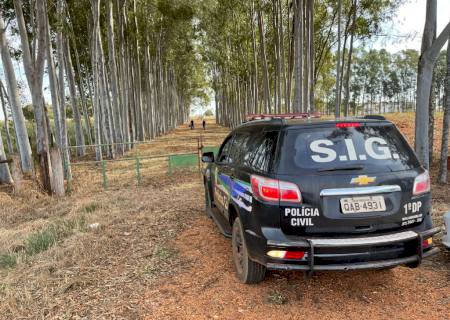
[199, 152]
[105, 178]
[138, 170]
[169, 165]
[69, 177]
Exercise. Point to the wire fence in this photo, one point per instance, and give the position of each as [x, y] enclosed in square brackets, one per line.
[141, 159]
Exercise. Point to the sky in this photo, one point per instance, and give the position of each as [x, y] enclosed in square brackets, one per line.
[404, 32]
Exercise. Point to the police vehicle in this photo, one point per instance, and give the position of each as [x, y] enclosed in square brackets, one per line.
[300, 193]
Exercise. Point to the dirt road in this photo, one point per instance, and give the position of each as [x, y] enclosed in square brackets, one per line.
[149, 252]
[209, 290]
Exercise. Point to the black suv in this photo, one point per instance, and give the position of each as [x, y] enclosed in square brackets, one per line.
[317, 195]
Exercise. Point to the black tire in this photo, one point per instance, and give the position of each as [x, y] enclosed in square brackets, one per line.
[247, 271]
[413, 265]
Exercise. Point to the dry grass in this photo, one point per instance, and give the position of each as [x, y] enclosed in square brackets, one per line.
[123, 247]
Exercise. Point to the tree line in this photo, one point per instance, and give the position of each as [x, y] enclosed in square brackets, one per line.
[285, 56]
[129, 70]
[274, 56]
[129, 65]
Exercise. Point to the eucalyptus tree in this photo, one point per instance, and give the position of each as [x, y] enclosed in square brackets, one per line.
[446, 123]
[60, 92]
[113, 76]
[3, 99]
[5, 174]
[429, 53]
[23, 143]
[33, 58]
[79, 134]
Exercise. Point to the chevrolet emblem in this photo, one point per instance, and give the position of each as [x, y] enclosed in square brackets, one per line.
[363, 180]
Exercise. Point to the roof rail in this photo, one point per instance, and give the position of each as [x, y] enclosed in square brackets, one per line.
[298, 115]
[374, 117]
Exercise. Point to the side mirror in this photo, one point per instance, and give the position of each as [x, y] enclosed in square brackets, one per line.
[208, 157]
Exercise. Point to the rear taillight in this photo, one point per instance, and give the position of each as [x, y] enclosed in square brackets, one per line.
[274, 190]
[422, 184]
[427, 243]
[292, 255]
[348, 124]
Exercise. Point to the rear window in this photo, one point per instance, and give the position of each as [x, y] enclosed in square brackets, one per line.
[380, 148]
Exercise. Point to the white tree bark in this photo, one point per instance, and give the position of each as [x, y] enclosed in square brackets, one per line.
[95, 6]
[53, 87]
[114, 79]
[424, 79]
[139, 114]
[338, 64]
[34, 70]
[298, 56]
[79, 135]
[6, 117]
[23, 143]
[62, 95]
[5, 174]
[446, 125]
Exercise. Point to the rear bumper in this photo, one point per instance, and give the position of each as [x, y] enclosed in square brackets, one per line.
[353, 253]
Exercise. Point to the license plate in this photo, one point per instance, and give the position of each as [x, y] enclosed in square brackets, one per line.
[363, 204]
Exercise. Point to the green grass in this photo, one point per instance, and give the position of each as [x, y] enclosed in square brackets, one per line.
[7, 261]
[43, 240]
[40, 241]
[92, 207]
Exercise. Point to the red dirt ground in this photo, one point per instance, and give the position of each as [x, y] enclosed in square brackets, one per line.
[209, 289]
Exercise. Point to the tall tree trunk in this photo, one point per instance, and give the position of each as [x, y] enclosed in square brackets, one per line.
[291, 60]
[426, 43]
[255, 60]
[6, 117]
[262, 44]
[306, 63]
[140, 125]
[446, 124]
[95, 7]
[23, 143]
[349, 61]
[64, 139]
[311, 81]
[427, 61]
[278, 54]
[34, 71]
[124, 74]
[53, 87]
[114, 79]
[5, 174]
[79, 134]
[298, 55]
[338, 63]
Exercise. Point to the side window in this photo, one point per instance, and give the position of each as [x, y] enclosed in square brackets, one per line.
[260, 153]
[224, 154]
[239, 148]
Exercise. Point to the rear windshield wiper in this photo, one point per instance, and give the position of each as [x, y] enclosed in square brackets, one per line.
[341, 168]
